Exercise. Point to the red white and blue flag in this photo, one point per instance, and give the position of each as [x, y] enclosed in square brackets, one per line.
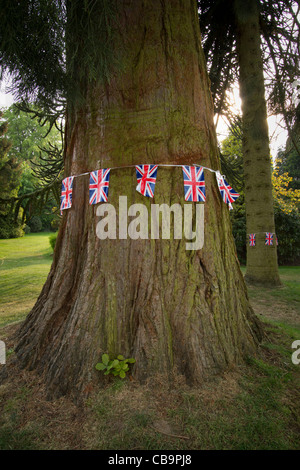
[228, 194]
[99, 183]
[146, 178]
[66, 193]
[194, 184]
[252, 239]
[269, 238]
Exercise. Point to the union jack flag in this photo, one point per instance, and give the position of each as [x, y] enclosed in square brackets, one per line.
[194, 184]
[269, 238]
[252, 239]
[228, 194]
[66, 193]
[99, 183]
[146, 178]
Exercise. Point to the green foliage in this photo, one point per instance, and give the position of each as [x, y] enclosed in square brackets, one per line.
[288, 233]
[49, 217]
[31, 168]
[238, 222]
[9, 166]
[9, 227]
[232, 155]
[37, 36]
[10, 173]
[52, 240]
[231, 149]
[35, 224]
[56, 221]
[118, 367]
[27, 134]
[287, 223]
[37, 147]
[288, 160]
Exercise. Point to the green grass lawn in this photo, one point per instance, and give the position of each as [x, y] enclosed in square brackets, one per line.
[251, 406]
[290, 291]
[24, 265]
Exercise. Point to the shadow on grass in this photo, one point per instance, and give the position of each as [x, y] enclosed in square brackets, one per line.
[23, 262]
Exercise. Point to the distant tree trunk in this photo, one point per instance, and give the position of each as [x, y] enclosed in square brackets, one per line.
[172, 309]
[262, 267]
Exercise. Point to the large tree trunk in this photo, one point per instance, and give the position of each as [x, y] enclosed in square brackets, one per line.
[262, 267]
[170, 308]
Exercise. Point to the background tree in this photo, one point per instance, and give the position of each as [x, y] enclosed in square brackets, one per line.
[32, 146]
[37, 55]
[286, 184]
[287, 217]
[253, 30]
[171, 309]
[279, 33]
[36, 64]
[262, 265]
[10, 181]
[286, 203]
[288, 159]
[232, 153]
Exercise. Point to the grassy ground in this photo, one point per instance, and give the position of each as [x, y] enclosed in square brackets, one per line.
[24, 266]
[254, 406]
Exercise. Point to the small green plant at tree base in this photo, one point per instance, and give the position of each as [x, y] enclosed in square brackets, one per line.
[118, 367]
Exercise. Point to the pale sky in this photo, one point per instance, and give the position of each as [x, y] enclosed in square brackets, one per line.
[6, 99]
[277, 133]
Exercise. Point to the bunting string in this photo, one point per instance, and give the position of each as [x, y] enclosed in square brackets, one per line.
[160, 164]
[193, 182]
[193, 179]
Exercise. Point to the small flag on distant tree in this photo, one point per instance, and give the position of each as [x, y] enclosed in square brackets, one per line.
[146, 178]
[228, 194]
[99, 183]
[252, 239]
[269, 238]
[194, 184]
[66, 193]
[276, 241]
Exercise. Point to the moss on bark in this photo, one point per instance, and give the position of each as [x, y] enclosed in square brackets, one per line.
[262, 266]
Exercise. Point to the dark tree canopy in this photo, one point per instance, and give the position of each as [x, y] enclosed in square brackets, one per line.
[32, 48]
[279, 28]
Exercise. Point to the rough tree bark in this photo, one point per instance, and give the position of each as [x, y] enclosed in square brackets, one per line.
[170, 308]
[262, 266]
